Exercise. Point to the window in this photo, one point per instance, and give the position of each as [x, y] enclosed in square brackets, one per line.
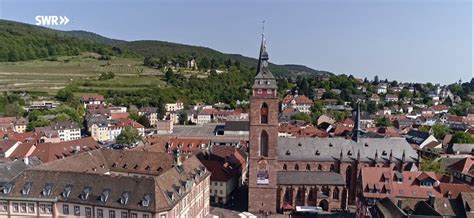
[49, 209]
[65, 209]
[269, 91]
[124, 215]
[111, 214]
[100, 213]
[23, 207]
[133, 215]
[308, 167]
[77, 210]
[88, 212]
[31, 208]
[264, 114]
[320, 167]
[42, 208]
[161, 216]
[297, 167]
[284, 167]
[335, 193]
[15, 207]
[259, 91]
[264, 144]
[3, 206]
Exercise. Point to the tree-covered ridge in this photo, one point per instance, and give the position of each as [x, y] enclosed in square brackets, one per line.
[21, 42]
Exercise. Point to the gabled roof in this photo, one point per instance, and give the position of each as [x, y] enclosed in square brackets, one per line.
[464, 166]
[52, 151]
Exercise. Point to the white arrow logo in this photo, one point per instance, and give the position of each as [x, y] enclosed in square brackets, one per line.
[63, 20]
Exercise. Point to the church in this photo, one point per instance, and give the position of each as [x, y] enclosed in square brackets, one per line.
[288, 175]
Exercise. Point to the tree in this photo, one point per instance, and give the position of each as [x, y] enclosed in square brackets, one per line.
[382, 122]
[41, 122]
[432, 165]
[148, 61]
[134, 116]
[65, 95]
[440, 130]
[13, 110]
[183, 117]
[463, 138]
[301, 116]
[376, 80]
[128, 136]
[169, 75]
[372, 107]
[144, 121]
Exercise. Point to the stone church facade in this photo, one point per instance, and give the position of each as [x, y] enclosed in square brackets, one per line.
[312, 173]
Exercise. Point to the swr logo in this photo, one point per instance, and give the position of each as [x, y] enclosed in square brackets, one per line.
[51, 20]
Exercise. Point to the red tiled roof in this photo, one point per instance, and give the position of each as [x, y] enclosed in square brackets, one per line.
[453, 118]
[116, 116]
[127, 122]
[300, 99]
[439, 107]
[23, 150]
[52, 151]
[6, 144]
[341, 130]
[219, 172]
[92, 98]
[464, 166]
[410, 185]
[7, 120]
[209, 111]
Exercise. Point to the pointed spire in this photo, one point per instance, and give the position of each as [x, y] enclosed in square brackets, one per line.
[403, 156]
[264, 79]
[262, 50]
[356, 129]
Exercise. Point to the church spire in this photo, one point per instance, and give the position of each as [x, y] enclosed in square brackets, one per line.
[263, 56]
[356, 130]
[264, 78]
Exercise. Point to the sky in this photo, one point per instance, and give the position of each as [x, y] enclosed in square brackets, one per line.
[405, 40]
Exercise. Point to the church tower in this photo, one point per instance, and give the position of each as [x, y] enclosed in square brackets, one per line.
[263, 119]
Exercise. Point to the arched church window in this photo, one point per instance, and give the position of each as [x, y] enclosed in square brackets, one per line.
[264, 144]
[264, 114]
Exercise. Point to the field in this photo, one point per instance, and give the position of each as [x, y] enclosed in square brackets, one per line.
[50, 76]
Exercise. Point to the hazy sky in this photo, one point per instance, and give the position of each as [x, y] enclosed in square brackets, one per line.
[408, 40]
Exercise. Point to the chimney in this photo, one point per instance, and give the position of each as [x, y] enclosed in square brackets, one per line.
[399, 204]
[431, 200]
[177, 157]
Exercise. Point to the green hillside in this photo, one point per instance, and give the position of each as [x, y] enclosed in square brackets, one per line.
[162, 49]
[21, 42]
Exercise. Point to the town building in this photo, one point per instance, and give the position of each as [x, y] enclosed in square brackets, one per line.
[150, 113]
[110, 183]
[377, 183]
[92, 101]
[173, 107]
[299, 103]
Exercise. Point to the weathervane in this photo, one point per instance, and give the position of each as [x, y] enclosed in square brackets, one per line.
[263, 27]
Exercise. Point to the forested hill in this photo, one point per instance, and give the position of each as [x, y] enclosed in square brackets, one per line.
[20, 42]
